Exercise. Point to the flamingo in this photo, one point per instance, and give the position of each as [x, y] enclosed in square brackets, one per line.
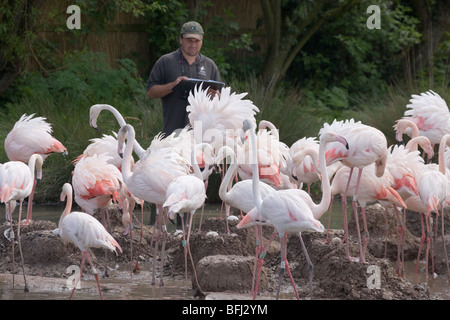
[431, 115]
[16, 183]
[29, 136]
[302, 166]
[434, 193]
[107, 145]
[371, 188]
[96, 183]
[94, 112]
[85, 232]
[187, 194]
[367, 145]
[287, 213]
[150, 178]
[216, 121]
[240, 195]
[271, 154]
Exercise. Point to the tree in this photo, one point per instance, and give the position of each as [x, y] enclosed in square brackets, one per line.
[289, 25]
[434, 16]
[17, 18]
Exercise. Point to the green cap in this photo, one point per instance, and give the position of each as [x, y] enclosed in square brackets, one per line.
[192, 29]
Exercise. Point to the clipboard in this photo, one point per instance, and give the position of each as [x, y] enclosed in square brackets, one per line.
[188, 85]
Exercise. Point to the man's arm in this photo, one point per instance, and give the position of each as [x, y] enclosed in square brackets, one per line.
[162, 90]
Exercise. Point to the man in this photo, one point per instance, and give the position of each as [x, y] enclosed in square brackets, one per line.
[171, 68]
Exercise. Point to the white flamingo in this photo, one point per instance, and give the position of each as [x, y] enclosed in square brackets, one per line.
[16, 183]
[287, 213]
[150, 179]
[85, 232]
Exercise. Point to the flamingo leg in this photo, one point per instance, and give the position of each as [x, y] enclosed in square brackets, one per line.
[310, 265]
[136, 267]
[282, 265]
[386, 230]
[327, 239]
[203, 209]
[365, 235]
[157, 237]
[95, 274]
[12, 238]
[20, 247]
[199, 291]
[344, 214]
[422, 239]
[163, 246]
[255, 262]
[355, 212]
[106, 224]
[429, 236]
[260, 263]
[445, 247]
[30, 204]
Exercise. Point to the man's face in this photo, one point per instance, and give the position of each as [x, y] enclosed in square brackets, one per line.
[190, 46]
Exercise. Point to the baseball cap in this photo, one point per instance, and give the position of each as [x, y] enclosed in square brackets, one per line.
[192, 29]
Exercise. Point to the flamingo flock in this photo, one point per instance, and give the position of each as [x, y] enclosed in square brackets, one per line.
[261, 176]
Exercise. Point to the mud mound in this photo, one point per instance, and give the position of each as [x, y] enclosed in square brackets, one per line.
[334, 276]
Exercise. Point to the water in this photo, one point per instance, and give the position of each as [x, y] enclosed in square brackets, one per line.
[122, 286]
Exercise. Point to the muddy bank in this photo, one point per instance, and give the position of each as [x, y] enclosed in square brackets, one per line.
[229, 257]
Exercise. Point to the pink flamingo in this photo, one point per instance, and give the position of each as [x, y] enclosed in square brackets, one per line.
[85, 232]
[287, 213]
[431, 115]
[29, 136]
[240, 195]
[434, 193]
[96, 183]
[187, 194]
[16, 183]
[371, 188]
[367, 145]
[150, 179]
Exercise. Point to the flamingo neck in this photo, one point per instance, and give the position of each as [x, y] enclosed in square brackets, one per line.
[322, 207]
[137, 147]
[441, 158]
[126, 163]
[227, 179]
[255, 172]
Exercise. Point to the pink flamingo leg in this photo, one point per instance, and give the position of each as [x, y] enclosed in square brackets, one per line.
[20, 246]
[136, 267]
[327, 239]
[163, 246]
[30, 204]
[445, 247]
[255, 262]
[422, 239]
[366, 233]
[199, 292]
[83, 258]
[310, 265]
[260, 264]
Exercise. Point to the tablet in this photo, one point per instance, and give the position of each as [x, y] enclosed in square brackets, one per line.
[188, 85]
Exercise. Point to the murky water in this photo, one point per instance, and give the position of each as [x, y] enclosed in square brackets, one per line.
[122, 286]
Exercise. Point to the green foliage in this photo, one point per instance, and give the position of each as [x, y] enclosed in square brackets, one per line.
[345, 57]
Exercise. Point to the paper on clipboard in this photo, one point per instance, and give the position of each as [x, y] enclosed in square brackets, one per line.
[188, 85]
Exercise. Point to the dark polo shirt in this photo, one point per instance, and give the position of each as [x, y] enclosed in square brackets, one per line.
[167, 69]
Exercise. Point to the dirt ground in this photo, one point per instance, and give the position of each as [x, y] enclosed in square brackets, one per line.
[334, 276]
